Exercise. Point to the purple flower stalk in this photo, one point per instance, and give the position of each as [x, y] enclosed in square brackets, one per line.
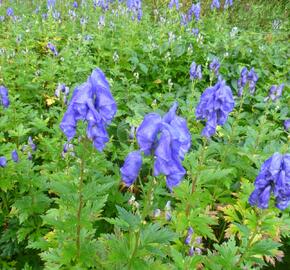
[9, 12]
[215, 4]
[194, 10]
[215, 66]
[52, 48]
[75, 4]
[195, 71]
[31, 144]
[3, 162]
[275, 92]
[249, 77]
[4, 100]
[215, 104]
[50, 4]
[174, 3]
[91, 102]
[188, 236]
[252, 80]
[274, 176]
[228, 3]
[14, 156]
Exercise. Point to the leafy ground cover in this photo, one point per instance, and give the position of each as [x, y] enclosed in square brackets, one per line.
[144, 135]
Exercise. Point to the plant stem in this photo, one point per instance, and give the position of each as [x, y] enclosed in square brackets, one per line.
[137, 236]
[79, 213]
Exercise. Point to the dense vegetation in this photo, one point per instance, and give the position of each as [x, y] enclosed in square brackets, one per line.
[196, 91]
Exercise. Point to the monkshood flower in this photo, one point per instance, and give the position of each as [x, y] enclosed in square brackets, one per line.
[44, 16]
[275, 92]
[287, 124]
[242, 81]
[75, 4]
[194, 10]
[50, 4]
[252, 80]
[9, 12]
[14, 156]
[52, 48]
[228, 3]
[91, 102]
[61, 88]
[195, 71]
[195, 31]
[215, 4]
[274, 176]
[215, 66]
[215, 104]
[56, 15]
[188, 236]
[3, 162]
[101, 22]
[168, 210]
[131, 167]
[31, 144]
[4, 100]
[191, 251]
[174, 3]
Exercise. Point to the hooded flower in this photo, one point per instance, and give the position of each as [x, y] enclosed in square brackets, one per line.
[50, 3]
[274, 176]
[242, 81]
[275, 92]
[91, 102]
[174, 3]
[287, 124]
[168, 138]
[3, 162]
[228, 3]
[215, 66]
[131, 167]
[252, 80]
[194, 10]
[4, 100]
[52, 48]
[9, 12]
[195, 71]
[215, 4]
[214, 106]
[249, 77]
[14, 156]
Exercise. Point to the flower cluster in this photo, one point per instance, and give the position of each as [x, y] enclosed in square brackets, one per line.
[215, 66]
[215, 4]
[274, 176]
[172, 3]
[52, 48]
[228, 3]
[62, 88]
[166, 137]
[194, 10]
[14, 157]
[9, 12]
[4, 100]
[50, 4]
[91, 102]
[249, 77]
[135, 6]
[275, 92]
[195, 71]
[214, 106]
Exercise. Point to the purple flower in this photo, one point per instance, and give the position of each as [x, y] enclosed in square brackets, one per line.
[14, 156]
[215, 4]
[31, 144]
[194, 10]
[168, 210]
[214, 66]
[92, 102]
[56, 15]
[172, 3]
[75, 4]
[50, 3]
[228, 3]
[191, 251]
[168, 138]
[252, 80]
[215, 104]
[3, 162]
[274, 176]
[275, 91]
[4, 100]
[9, 12]
[131, 168]
[242, 81]
[52, 48]
[188, 236]
[195, 31]
[195, 71]
[287, 124]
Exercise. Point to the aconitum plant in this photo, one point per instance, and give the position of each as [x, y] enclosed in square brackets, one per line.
[174, 3]
[91, 102]
[3, 162]
[215, 4]
[249, 77]
[195, 71]
[4, 100]
[215, 66]
[194, 10]
[287, 124]
[228, 3]
[275, 92]
[215, 104]
[168, 139]
[52, 48]
[274, 176]
[9, 12]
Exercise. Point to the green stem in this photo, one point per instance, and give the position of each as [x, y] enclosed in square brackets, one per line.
[137, 237]
[79, 212]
